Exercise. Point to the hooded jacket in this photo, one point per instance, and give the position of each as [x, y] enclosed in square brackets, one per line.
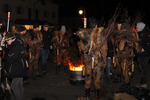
[15, 60]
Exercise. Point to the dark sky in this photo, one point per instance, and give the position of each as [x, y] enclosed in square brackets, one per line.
[99, 8]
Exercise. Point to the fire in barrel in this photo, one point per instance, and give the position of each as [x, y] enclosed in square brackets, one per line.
[76, 73]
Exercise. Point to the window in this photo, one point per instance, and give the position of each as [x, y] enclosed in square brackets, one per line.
[46, 13]
[36, 14]
[53, 14]
[29, 13]
[43, 2]
[6, 8]
[19, 10]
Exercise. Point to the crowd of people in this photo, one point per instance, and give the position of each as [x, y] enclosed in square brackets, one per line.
[21, 52]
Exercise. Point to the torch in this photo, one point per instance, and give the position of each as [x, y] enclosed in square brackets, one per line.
[8, 21]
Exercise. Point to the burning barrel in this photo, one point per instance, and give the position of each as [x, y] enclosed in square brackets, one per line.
[76, 78]
[76, 74]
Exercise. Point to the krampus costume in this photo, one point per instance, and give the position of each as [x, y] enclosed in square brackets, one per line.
[61, 41]
[35, 45]
[126, 41]
[94, 56]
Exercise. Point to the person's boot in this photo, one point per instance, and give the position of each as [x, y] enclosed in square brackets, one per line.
[97, 93]
[87, 92]
[57, 69]
[37, 74]
[118, 77]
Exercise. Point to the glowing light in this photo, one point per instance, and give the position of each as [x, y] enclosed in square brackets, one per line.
[80, 12]
[75, 67]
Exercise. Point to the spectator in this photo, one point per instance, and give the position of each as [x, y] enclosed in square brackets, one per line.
[46, 46]
[144, 55]
[108, 60]
[15, 65]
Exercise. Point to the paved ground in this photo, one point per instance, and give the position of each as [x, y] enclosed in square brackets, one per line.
[58, 87]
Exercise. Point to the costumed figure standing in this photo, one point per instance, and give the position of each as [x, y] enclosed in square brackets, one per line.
[61, 41]
[126, 43]
[94, 57]
[35, 45]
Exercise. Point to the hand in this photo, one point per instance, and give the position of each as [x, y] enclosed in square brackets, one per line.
[117, 49]
[51, 47]
[4, 33]
[142, 50]
[108, 57]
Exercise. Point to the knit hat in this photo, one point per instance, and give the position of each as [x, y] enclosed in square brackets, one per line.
[140, 26]
[35, 25]
[21, 28]
[63, 28]
[9, 36]
[46, 25]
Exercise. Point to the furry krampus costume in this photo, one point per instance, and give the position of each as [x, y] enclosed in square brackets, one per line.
[94, 56]
[126, 43]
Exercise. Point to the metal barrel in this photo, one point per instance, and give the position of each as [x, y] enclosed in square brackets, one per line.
[76, 78]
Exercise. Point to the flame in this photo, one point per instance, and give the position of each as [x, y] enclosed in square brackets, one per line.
[75, 67]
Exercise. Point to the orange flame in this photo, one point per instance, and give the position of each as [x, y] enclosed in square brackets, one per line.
[75, 67]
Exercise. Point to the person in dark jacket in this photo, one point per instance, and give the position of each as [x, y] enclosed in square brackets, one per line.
[46, 46]
[15, 64]
[144, 54]
[108, 60]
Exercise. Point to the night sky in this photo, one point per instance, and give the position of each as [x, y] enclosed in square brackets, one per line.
[103, 8]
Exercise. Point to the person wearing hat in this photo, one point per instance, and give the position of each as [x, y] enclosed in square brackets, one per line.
[46, 46]
[144, 54]
[64, 45]
[15, 64]
[22, 30]
[35, 45]
[23, 35]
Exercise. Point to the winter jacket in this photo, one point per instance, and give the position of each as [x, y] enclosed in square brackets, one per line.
[110, 48]
[144, 41]
[47, 38]
[15, 60]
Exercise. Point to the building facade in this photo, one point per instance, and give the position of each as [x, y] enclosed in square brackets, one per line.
[27, 11]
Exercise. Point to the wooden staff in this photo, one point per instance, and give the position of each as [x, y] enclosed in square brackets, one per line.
[27, 63]
[92, 62]
[132, 66]
[124, 65]
[83, 71]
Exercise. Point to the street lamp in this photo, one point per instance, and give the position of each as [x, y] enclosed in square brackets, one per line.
[82, 12]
